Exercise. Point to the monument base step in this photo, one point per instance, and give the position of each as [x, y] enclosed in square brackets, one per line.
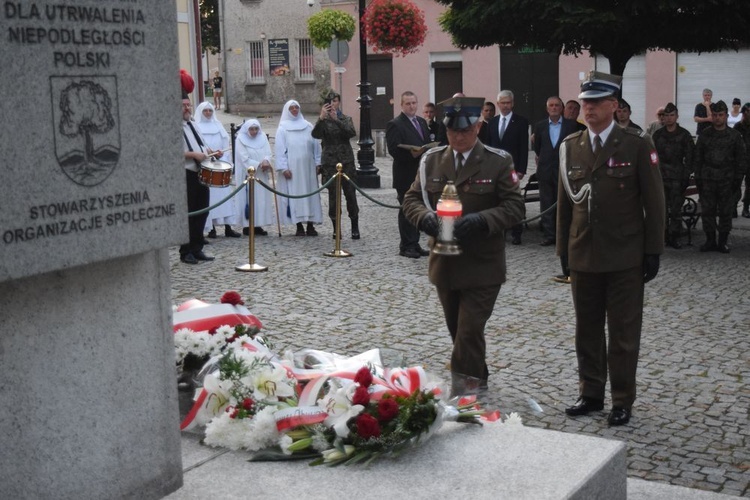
[494, 461]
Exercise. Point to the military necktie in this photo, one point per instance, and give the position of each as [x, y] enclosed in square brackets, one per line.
[502, 128]
[459, 162]
[597, 144]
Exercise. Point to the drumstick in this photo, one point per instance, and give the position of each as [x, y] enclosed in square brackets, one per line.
[276, 202]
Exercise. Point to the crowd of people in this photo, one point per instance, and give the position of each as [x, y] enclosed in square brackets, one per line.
[610, 193]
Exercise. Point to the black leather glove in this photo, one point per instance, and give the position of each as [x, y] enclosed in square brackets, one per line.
[650, 267]
[430, 225]
[470, 226]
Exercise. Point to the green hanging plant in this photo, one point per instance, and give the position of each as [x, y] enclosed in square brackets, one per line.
[328, 24]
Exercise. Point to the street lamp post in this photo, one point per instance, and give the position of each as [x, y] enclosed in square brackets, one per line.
[367, 174]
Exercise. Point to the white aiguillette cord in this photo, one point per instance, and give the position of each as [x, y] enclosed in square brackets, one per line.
[585, 191]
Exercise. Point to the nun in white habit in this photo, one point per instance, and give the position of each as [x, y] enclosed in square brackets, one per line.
[253, 150]
[216, 137]
[298, 162]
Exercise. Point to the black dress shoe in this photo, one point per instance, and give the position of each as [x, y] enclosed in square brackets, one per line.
[259, 231]
[516, 240]
[423, 251]
[212, 234]
[206, 242]
[618, 416]
[231, 233]
[584, 406]
[246, 231]
[202, 256]
[547, 243]
[188, 258]
[411, 253]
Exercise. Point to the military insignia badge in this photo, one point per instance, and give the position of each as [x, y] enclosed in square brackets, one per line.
[514, 176]
[654, 158]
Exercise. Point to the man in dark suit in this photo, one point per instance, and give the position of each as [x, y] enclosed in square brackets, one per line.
[406, 129]
[509, 131]
[467, 284]
[610, 224]
[548, 134]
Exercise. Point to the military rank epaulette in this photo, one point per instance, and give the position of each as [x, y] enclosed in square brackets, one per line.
[574, 135]
[635, 131]
[497, 151]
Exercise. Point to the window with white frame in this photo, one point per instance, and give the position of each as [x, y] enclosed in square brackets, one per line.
[256, 63]
[305, 60]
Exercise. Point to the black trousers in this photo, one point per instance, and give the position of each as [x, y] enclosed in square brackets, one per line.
[197, 199]
[408, 233]
[547, 198]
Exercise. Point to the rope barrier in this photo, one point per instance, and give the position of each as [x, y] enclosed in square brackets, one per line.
[285, 195]
[207, 209]
[324, 186]
[397, 207]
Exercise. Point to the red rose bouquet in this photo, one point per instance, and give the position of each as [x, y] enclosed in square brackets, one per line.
[395, 26]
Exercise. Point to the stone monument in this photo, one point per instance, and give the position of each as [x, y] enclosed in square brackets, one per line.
[93, 193]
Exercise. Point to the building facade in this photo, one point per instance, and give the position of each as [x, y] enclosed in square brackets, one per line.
[267, 59]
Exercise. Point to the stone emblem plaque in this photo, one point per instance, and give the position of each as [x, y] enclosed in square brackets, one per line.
[91, 141]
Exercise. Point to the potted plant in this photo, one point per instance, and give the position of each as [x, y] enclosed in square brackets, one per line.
[394, 26]
[330, 24]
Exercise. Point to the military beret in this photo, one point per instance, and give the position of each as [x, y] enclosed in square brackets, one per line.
[718, 107]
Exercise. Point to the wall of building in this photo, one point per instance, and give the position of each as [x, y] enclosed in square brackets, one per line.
[264, 20]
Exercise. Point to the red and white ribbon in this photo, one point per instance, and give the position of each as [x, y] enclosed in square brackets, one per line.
[200, 316]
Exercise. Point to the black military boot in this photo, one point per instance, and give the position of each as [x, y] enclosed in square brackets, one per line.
[674, 240]
[746, 210]
[722, 246]
[710, 244]
[355, 228]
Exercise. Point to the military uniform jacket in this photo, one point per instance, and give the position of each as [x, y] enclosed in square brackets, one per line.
[676, 150]
[334, 136]
[487, 184]
[720, 155]
[627, 213]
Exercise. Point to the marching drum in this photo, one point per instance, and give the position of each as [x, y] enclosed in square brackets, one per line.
[215, 173]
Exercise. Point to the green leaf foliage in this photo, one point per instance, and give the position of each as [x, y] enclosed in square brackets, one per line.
[328, 24]
[615, 29]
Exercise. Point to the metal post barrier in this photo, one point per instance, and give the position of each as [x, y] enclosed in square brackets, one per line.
[251, 266]
[337, 252]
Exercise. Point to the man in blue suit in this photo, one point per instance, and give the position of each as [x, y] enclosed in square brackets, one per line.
[509, 131]
[548, 134]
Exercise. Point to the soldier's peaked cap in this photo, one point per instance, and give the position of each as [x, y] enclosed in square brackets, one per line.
[598, 85]
[462, 112]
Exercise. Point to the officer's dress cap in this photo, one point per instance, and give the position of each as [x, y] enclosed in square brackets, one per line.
[598, 85]
[462, 112]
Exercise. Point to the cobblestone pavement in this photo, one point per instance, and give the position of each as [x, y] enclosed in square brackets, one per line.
[690, 422]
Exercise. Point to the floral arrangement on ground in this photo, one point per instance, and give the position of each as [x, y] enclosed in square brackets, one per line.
[316, 405]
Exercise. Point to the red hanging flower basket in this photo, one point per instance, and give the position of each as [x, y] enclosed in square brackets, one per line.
[394, 26]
